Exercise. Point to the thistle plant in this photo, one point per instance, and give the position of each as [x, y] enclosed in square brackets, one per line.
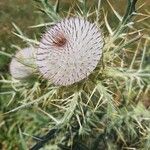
[87, 95]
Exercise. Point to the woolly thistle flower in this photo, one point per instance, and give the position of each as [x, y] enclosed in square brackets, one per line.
[69, 51]
[22, 65]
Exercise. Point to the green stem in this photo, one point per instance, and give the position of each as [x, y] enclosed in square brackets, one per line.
[128, 15]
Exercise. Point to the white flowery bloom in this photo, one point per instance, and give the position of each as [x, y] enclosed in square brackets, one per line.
[69, 51]
[22, 65]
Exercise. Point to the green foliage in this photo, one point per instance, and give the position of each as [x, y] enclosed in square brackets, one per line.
[105, 111]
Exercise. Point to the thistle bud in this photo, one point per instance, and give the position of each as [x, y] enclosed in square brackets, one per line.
[22, 65]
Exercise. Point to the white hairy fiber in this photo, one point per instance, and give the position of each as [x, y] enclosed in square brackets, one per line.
[69, 51]
[21, 65]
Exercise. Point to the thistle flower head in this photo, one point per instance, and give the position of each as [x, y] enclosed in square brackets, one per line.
[21, 65]
[69, 51]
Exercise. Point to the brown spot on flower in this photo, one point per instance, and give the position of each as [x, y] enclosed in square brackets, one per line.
[59, 41]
